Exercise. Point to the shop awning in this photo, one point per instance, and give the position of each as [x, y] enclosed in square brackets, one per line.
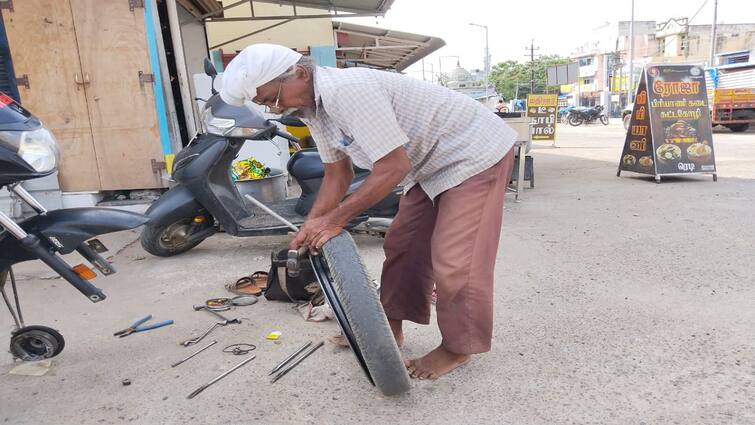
[330, 9]
[202, 7]
[360, 45]
[378, 7]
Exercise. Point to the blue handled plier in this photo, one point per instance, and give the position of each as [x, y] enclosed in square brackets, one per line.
[137, 326]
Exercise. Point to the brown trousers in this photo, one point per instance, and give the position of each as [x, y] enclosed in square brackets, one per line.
[453, 245]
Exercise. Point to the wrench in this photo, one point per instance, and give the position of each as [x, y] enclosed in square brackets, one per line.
[218, 315]
[195, 340]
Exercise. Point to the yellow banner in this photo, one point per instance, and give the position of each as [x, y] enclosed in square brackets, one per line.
[745, 95]
[542, 100]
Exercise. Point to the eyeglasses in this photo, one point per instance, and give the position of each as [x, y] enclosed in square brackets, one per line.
[265, 103]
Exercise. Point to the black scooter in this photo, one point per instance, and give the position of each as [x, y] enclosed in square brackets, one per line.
[28, 151]
[205, 200]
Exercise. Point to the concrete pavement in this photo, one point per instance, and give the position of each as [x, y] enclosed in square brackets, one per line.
[618, 301]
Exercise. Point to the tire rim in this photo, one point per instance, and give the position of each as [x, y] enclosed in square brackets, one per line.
[323, 277]
[33, 345]
[176, 235]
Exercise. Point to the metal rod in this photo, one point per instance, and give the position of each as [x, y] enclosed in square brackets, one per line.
[290, 17]
[289, 358]
[250, 34]
[4, 274]
[282, 373]
[22, 193]
[194, 354]
[272, 213]
[215, 12]
[196, 339]
[221, 376]
[11, 226]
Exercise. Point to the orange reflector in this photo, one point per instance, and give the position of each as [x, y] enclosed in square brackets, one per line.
[84, 271]
[199, 219]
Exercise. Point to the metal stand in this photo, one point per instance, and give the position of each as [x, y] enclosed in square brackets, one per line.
[18, 318]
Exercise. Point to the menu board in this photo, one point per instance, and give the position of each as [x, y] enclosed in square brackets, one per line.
[670, 128]
[542, 111]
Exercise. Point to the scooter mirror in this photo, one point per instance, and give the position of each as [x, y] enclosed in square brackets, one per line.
[209, 68]
[290, 121]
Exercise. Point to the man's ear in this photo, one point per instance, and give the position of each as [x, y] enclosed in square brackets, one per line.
[302, 73]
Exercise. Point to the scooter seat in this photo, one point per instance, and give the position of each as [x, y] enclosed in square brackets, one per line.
[306, 164]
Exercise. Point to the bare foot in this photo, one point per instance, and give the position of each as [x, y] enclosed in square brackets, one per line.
[339, 340]
[436, 363]
[397, 330]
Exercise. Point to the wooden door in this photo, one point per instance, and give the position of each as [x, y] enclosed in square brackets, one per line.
[113, 49]
[43, 46]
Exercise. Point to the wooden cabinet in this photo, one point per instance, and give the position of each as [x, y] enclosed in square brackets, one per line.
[83, 59]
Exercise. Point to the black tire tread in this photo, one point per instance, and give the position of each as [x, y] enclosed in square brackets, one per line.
[362, 307]
[575, 122]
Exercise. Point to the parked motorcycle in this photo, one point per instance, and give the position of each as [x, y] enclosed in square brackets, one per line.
[563, 113]
[205, 200]
[582, 115]
[28, 151]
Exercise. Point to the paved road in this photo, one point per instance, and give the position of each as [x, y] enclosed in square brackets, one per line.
[618, 301]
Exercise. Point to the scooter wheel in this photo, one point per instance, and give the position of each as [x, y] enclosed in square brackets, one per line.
[170, 239]
[32, 343]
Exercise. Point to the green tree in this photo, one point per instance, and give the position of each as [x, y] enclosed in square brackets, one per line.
[507, 76]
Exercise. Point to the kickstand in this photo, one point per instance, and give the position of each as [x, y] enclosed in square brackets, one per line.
[17, 316]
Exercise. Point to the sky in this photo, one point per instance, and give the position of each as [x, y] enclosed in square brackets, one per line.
[557, 26]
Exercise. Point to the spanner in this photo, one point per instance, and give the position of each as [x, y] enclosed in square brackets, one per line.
[218, 315]
[195, 340]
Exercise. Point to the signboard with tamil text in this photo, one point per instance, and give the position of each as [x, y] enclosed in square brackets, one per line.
[670, 129]
[542, 109]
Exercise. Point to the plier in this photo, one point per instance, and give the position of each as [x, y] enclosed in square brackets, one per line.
[137, 326]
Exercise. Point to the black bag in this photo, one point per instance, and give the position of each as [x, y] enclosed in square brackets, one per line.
[282, 287]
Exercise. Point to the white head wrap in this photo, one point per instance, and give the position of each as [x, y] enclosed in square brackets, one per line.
[254, 66]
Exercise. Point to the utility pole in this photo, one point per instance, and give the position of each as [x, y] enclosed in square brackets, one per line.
[532, 66]
[486, 63]
[713, 35]
[532, 49]
[630, 92]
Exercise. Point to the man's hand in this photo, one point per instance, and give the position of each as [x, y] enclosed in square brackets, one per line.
[315, 232]
[386, 173]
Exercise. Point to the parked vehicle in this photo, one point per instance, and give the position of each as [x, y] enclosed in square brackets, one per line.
[563, 113]
[28, 151]
[626, 115]
[731, 95]
[582, 115]
[205, 200]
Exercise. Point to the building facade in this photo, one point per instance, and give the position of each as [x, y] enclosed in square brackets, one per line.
[604, 74]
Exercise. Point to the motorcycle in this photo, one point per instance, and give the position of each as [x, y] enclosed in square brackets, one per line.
[205, 200]
[582, 115]
[28, 151]
[563, 113]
